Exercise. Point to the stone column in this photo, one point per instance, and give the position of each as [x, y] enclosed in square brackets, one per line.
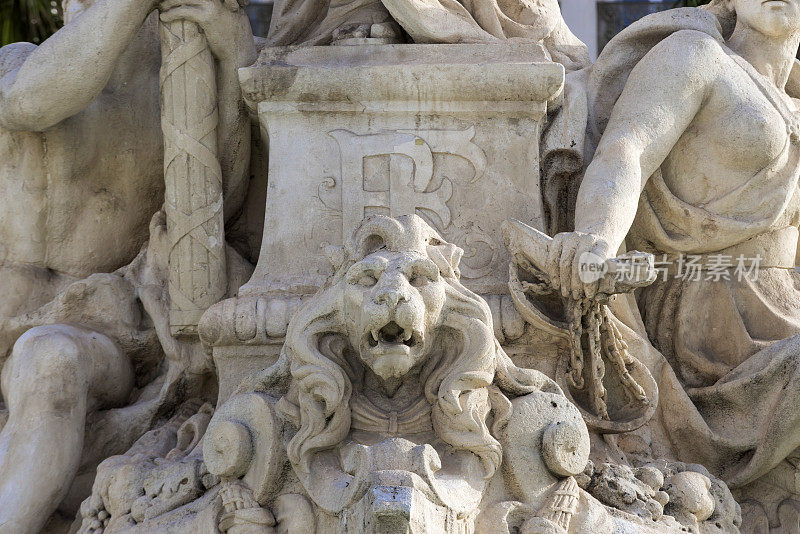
[192, 174]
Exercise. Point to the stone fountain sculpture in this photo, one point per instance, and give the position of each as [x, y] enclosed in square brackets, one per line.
[400, 406]
[85, 336]
[411, 352]
[392, 408]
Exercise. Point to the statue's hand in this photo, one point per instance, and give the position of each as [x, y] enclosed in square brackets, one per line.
[574, 263]
[185, 354]
[223, 22]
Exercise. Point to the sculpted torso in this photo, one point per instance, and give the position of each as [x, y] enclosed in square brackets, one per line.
[700, 168]
[690, 109]
[84, 190]
[699, 157]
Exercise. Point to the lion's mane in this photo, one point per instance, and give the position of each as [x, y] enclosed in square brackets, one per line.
[461, 380]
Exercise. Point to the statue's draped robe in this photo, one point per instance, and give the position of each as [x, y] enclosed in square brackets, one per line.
[730, 386]
[312, 22]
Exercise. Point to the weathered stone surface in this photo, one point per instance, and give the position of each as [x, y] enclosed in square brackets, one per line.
[459, 319]
[447, 123]
[83, 319]
[392, 129]
[668, 177]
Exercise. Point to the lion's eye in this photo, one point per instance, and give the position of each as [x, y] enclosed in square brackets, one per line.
[367, 281]
[419, 281]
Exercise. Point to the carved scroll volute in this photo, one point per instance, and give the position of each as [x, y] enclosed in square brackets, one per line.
[192, 175]
[243, 442]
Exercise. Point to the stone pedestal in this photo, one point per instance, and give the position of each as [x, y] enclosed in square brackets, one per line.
[449, 132]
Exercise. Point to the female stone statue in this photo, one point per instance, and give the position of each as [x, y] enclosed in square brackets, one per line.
[700, 156]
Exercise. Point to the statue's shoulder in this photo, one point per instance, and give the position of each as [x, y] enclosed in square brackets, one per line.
[691, 40]
[689, 48]
[685, 57]
[12, 56]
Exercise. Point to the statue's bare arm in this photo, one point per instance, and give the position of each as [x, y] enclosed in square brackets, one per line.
[663, 95]
[60, 77]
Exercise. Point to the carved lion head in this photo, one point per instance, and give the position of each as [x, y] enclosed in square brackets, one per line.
[393, 304]
[395, 289]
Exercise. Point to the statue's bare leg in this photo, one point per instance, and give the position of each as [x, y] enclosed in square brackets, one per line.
[55, 376]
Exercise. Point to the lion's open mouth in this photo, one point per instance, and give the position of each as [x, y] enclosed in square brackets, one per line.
[392, 334]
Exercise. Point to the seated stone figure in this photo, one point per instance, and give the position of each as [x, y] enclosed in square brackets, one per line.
[81, 168]
[699, 160]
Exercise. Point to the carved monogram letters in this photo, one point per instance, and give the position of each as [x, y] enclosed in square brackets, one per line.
[394, 171]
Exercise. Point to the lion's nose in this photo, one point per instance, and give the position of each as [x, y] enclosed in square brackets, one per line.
[390, 294]
[390, 298]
